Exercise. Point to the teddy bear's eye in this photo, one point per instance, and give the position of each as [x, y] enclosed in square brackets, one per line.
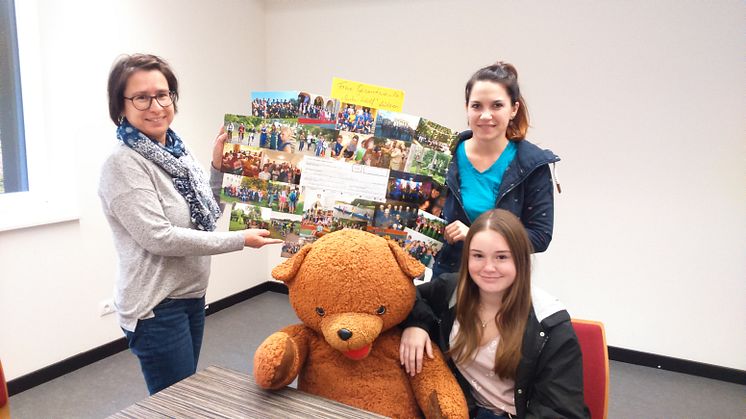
[320, 311]
[381, 310]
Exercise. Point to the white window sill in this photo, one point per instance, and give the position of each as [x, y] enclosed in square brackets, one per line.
[29, 209]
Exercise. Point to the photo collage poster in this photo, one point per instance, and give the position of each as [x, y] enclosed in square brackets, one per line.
[302, 165]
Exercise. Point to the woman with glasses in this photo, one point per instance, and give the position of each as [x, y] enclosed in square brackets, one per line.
[162, 211]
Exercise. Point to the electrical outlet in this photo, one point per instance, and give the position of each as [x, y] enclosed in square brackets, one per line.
[106, 307]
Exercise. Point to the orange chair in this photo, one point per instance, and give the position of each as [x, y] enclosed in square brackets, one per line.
[4, 405]
[595, 366]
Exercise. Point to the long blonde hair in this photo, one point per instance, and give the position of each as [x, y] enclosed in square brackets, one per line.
[516, 303]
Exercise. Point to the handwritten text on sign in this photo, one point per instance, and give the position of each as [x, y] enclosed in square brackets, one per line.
[377, 97]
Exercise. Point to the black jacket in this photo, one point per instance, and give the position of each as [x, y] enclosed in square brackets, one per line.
[526, 191]
[549, 380]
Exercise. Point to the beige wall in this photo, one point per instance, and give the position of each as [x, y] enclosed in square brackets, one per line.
[644, 103]
[642, 100]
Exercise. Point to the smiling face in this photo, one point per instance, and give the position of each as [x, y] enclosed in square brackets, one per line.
[489, 110]
[491, 264]
[153, 122]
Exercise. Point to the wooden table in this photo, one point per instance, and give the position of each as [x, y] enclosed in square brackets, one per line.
[222, 393]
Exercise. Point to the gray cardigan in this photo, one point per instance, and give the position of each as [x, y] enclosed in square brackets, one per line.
[161, 255]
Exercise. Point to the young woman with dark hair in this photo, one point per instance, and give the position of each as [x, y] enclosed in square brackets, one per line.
[494, 166]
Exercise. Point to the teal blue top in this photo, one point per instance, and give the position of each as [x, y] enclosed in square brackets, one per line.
[479, 189]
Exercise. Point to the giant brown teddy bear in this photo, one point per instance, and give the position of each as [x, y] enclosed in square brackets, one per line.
[351, 289]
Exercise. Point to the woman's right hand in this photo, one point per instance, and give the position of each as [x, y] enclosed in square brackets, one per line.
[455, 232]
[258, 237]
[414, 341]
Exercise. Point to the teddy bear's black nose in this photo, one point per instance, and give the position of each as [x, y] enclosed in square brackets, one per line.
[344, 334]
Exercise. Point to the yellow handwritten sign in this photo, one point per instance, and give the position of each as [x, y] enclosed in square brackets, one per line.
[348, 91]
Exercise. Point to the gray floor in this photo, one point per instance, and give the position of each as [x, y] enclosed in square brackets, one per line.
[233, 334]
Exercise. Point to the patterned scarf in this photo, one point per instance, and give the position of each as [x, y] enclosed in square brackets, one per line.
[189, 179]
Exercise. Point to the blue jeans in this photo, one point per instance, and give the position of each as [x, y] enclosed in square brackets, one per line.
[483, 413]
[168, 344]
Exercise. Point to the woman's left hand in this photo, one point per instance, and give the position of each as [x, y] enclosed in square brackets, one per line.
[217, 149]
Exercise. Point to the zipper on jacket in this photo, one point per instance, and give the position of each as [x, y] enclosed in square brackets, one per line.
[543, 341]
[457, 195]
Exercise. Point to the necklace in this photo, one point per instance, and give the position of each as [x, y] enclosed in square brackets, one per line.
[483, 322]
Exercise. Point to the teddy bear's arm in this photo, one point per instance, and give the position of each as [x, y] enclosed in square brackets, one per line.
[278, 360]
[437, 391]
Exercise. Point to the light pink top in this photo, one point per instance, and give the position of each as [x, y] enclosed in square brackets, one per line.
[488, 389]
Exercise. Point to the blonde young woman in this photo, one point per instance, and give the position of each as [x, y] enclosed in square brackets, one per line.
[512, 348]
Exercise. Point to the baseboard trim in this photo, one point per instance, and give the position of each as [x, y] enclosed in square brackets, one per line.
[667, 363]
[629, 356]
[242, 296]
[80, 360]
[65, 366]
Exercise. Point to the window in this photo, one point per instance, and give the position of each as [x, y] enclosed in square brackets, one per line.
[37, 197]
[13, 174]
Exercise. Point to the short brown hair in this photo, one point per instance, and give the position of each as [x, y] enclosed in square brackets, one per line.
[121, 71]
[506, 75]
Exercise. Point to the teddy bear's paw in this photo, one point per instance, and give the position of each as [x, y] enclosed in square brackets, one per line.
[274, 361]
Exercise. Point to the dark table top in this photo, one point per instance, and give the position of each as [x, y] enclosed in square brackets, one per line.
[222, 393]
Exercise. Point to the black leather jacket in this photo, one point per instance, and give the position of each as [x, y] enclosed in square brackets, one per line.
[549, 380]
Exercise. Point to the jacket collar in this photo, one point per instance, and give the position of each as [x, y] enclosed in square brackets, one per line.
[528, 157]
[545, 305]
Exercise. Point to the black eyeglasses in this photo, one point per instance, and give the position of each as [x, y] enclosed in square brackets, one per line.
[143, 102]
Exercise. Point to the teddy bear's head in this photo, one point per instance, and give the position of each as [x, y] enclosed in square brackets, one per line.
[350, 286]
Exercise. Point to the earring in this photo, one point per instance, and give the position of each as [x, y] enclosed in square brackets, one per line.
[121, 119]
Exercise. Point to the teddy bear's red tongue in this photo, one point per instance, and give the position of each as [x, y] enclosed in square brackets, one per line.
[357, 354]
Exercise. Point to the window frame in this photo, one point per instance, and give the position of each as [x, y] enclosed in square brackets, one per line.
[44, 202]
[15, 176]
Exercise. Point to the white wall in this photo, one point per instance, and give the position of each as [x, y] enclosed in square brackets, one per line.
[644, 103]
[53, 277]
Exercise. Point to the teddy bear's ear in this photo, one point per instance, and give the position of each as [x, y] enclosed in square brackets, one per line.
[286, 271]
[411, 266]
